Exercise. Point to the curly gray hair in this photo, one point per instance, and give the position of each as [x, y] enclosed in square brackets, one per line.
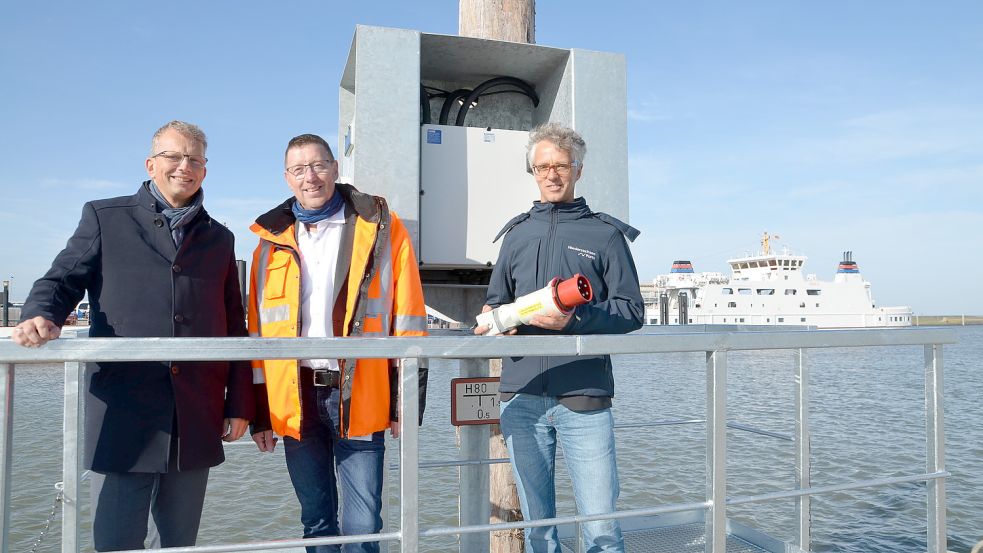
[190, 130]
[562, 137]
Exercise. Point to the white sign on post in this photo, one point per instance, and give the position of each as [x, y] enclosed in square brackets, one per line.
[474, 401]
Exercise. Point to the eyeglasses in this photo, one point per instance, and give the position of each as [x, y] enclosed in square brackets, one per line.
[562, 169]
[322, 167]
[175, 158]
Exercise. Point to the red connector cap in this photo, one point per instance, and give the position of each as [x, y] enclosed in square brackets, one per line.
[571, 292]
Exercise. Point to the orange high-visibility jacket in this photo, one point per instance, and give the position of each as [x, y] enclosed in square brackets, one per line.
[382, 295]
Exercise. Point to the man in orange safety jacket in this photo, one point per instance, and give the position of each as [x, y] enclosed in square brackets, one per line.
[331, 262]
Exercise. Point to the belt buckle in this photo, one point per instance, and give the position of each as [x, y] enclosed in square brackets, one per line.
[326, 378]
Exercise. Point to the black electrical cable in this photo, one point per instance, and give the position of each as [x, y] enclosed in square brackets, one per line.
[445, 111]
[424, 106]
[523, 87]
[440, 91]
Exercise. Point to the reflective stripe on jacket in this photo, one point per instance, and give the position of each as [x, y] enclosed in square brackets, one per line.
[378, 295]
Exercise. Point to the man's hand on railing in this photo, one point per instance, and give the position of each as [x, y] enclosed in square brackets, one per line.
[265, 441]
[234, 429]
[35, 332]
[394, 429]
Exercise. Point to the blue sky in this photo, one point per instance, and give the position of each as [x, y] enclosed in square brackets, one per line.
[837, 125]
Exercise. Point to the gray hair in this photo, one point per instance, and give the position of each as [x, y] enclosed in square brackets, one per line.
[562, 137]
[189, 130]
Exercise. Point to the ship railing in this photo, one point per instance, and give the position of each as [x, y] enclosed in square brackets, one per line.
[473, 350]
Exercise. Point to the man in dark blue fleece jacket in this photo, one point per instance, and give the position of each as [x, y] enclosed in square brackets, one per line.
[545, 398]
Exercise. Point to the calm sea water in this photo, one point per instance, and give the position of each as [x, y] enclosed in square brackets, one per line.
[867, 422]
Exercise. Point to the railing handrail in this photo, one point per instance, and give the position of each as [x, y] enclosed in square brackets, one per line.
[458, 347]
[716, 345]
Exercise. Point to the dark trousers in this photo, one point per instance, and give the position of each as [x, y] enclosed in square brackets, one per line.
[312, 461]
[123, 501]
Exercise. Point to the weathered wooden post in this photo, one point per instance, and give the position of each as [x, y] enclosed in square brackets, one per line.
[513, 21]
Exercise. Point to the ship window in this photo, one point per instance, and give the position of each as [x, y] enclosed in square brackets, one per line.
[766, 291]
[772, 262]
[803, 319]
[691, 321]
[817, 305]
[727, 291]
[803, 304]
[742, 319]
[790, 291]
[732, 304]
[725, 319]
[744, 265]
[744, 291]
[781, 319]
[813, 292]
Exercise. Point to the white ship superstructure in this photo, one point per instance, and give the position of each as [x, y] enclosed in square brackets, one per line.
[768, 289]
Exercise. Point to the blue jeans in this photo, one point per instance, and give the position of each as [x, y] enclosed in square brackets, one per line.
[531, 425]
[311, 462]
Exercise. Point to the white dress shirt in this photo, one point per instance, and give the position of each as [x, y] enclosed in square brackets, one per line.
[319, 244]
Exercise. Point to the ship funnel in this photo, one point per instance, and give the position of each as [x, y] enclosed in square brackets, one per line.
[848, 265]
[681, 266]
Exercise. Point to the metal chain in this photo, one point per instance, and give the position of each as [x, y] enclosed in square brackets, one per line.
[51, 516]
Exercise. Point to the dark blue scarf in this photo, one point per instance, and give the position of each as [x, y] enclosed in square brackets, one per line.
[178, 217]
[314, 215]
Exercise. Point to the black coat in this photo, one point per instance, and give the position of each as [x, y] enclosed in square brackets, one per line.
[141, 285]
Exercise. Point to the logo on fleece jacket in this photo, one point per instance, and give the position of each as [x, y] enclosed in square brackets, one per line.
[583, 252]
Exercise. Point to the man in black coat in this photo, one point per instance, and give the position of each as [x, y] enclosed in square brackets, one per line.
[154, 265]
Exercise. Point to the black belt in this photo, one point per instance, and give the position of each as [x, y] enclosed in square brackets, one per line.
[323, 377]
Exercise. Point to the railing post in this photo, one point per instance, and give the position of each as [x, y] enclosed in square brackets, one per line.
[716, 519]
[409, 458]
[803, 466]
[7, 443]
[71, 460]
[935, 446]
[475, 505]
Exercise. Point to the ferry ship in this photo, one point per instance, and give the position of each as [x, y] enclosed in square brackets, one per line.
[768, 288]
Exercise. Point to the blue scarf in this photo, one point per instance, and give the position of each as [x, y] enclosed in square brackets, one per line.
[314, 215]
[178, 217]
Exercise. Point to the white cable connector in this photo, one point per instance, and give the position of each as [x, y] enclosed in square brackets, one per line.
[559, 297]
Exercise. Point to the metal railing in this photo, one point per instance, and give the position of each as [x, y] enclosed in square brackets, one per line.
[716, 345]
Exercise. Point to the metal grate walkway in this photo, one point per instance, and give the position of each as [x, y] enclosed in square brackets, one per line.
[686, 538]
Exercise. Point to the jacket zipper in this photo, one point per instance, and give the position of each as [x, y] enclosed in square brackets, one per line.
[544, 361]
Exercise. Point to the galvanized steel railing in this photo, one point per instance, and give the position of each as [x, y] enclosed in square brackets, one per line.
[75, 352]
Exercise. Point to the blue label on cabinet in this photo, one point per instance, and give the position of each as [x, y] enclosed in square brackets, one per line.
[433, 136]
